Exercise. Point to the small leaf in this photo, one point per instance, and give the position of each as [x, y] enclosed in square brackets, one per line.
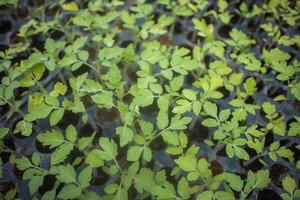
[229, 150]
[110, 149]
[104, 99]
[241, 153]
[162, 119]
[134, 153]
[178, 123]
[71, 133]
[268, 108]
[52, 138]
[235, 182]
[289, 184]
[211, 109]
[3, 132]
[56, 116]
[111, 188]
[79, 42]
[24, 127]
[262, 179]
[189, 94]
[72, 6]
[183, 188]
[59, 89]
[66, 174]
[85, 177]
[224, 115]
[69, 191]
[61, 153]
[210, 122]
[49, 195]
[35, 183]
[206, 195]
[94, 158]
[126, 135]
[163, 103]
[187, 163]
[147, 155]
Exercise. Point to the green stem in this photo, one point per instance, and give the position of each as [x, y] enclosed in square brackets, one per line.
[156, 136]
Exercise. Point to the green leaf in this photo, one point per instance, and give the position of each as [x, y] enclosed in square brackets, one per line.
[289, 184]
[61, 153]
[250, 85]
[210, 122]
[36, 159]
[66, 174]
[52, 138]
[279, 128]
[69, 191]
[262, 179]
[110, 148]
[76, 83]
[162, 119]
[23, 163]
[49, 195]
[94, 158]
[24, 127]
[206, 195]
[143, 98]
[285, 153]
[144, 180]
[170, 138]
[189, 94]
[239, 39]
[164, 192]
[111, 188]
[268, 108]
[72, 6]
[235, 181]
[241, 153]
[59, 89]
[147, 155]
[40, 112]
[56, 116]
[35, 183]
[187, 163]
[210, 109]
[163, 103]
[104, 99]
[178, 123]
[85, 177]
[237, 102]
[84, 142]
[91, 86]
[295, 91]
[71, 133]
[229, 150]
[183, 188]
[134, 153]
[221, 195]
[79, 42]
[182, 106]
[83, 56]
[294, 129]
[235, 78]
[197, 106]
[126, 135]
[224, 115]
[176, 83]
[3, 132]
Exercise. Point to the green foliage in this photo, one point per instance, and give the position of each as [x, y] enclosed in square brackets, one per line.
[123, 98]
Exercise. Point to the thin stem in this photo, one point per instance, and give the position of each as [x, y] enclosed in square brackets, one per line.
[156, 136]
